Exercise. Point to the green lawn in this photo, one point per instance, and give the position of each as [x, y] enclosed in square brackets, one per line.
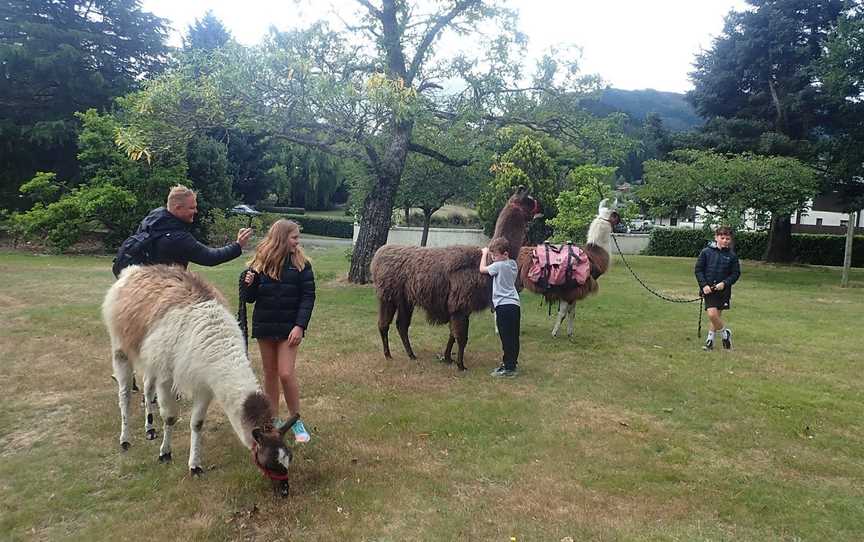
[626, 432]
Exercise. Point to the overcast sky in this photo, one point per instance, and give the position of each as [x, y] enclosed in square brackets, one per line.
[631, 44]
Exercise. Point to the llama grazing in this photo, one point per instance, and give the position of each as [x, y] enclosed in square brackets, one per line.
[444, 281]
[598, 250]
[176, 330]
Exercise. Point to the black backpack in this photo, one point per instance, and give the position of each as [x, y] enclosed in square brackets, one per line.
[137, 249]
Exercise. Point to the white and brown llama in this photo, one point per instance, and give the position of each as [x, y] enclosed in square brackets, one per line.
[177, 332]
[597, 248]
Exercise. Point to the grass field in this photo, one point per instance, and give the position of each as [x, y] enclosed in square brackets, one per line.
[626, 432]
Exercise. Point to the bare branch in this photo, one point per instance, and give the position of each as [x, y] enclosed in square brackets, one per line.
[427, 85]
[431, 153]
[430, 35]
[372, 9]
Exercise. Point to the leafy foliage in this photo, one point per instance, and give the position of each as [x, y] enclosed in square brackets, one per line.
[750, 245]
[206, 34]
[62, 222]
[724, 187]
[525, 164]
[577, 206]
[59, 58]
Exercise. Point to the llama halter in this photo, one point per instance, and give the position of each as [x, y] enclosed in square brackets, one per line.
[267, 472]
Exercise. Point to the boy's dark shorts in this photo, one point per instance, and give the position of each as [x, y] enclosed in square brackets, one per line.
[721, 300]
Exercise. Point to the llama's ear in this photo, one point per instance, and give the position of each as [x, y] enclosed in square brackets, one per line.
[257, 433]
[604, 204]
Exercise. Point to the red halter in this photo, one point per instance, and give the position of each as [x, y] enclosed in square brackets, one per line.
[267, 472]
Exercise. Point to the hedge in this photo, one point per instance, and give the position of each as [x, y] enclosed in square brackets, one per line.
[316, 225]
[282, 210]
[806, 248]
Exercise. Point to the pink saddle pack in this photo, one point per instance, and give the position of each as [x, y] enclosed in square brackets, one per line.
[556, 265]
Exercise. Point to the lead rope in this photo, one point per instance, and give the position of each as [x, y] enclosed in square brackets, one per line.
[241, 310]
[658, 294]
[640, 281]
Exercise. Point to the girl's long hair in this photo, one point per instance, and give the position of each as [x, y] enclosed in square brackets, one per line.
[273, 249]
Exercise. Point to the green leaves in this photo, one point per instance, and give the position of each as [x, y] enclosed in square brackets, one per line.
[526, 164]
[725, 187]
[577, 206]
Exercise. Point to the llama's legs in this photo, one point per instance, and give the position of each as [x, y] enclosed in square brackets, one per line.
[168, 411]
[571, 315]
[459, 330]
[123, 374]
[562, 312]
[403, 322]
[448, 350]
[149, 396]
[386, 311]
[196, 423]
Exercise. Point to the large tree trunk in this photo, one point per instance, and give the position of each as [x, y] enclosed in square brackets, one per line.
[374, 226]
[779, 249]
[377, 213]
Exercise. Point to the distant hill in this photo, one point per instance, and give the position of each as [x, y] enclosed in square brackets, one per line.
[677, 114]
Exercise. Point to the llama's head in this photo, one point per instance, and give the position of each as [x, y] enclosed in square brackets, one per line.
[270, 453]
[516, 217]
[522, 201]
[609, 213]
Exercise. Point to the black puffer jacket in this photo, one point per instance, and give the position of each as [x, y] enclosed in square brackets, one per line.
[281, 304]
[717, 265]
[176, 246]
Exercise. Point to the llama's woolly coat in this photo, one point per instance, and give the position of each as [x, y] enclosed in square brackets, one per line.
[441, 280]
[168, 321]
[445, 282]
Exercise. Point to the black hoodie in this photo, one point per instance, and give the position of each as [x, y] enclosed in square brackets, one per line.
[176, 246]
[717, 264]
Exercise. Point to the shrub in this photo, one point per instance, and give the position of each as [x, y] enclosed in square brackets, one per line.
[222, 227]
[314, 225]
[265, 207]
[806, 248]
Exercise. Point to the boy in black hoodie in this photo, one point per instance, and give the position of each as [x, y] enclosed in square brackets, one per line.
[717, 269]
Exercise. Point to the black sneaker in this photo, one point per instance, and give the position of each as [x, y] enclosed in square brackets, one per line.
[501, 372]
[727, 339]
[709, 345]
[497, 370]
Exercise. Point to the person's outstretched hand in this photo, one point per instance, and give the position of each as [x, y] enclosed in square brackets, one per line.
[249, 278]
[243, 236]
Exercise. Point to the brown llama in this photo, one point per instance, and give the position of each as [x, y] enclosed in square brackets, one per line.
[444, 281]
[597, 248]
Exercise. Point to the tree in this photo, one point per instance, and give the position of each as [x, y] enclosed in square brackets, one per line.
[728, 187]
[761, 69]
[842, 72]
[361, 93]
[577, 205]
[59, 57]
[428, 184]
[206, 34]
[207, 169]
[843, 75]
[525, 164]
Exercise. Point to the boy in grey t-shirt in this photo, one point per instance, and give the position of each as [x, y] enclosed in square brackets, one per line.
[505, 299]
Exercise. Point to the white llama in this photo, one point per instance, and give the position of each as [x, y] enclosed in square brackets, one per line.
[176, 330]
